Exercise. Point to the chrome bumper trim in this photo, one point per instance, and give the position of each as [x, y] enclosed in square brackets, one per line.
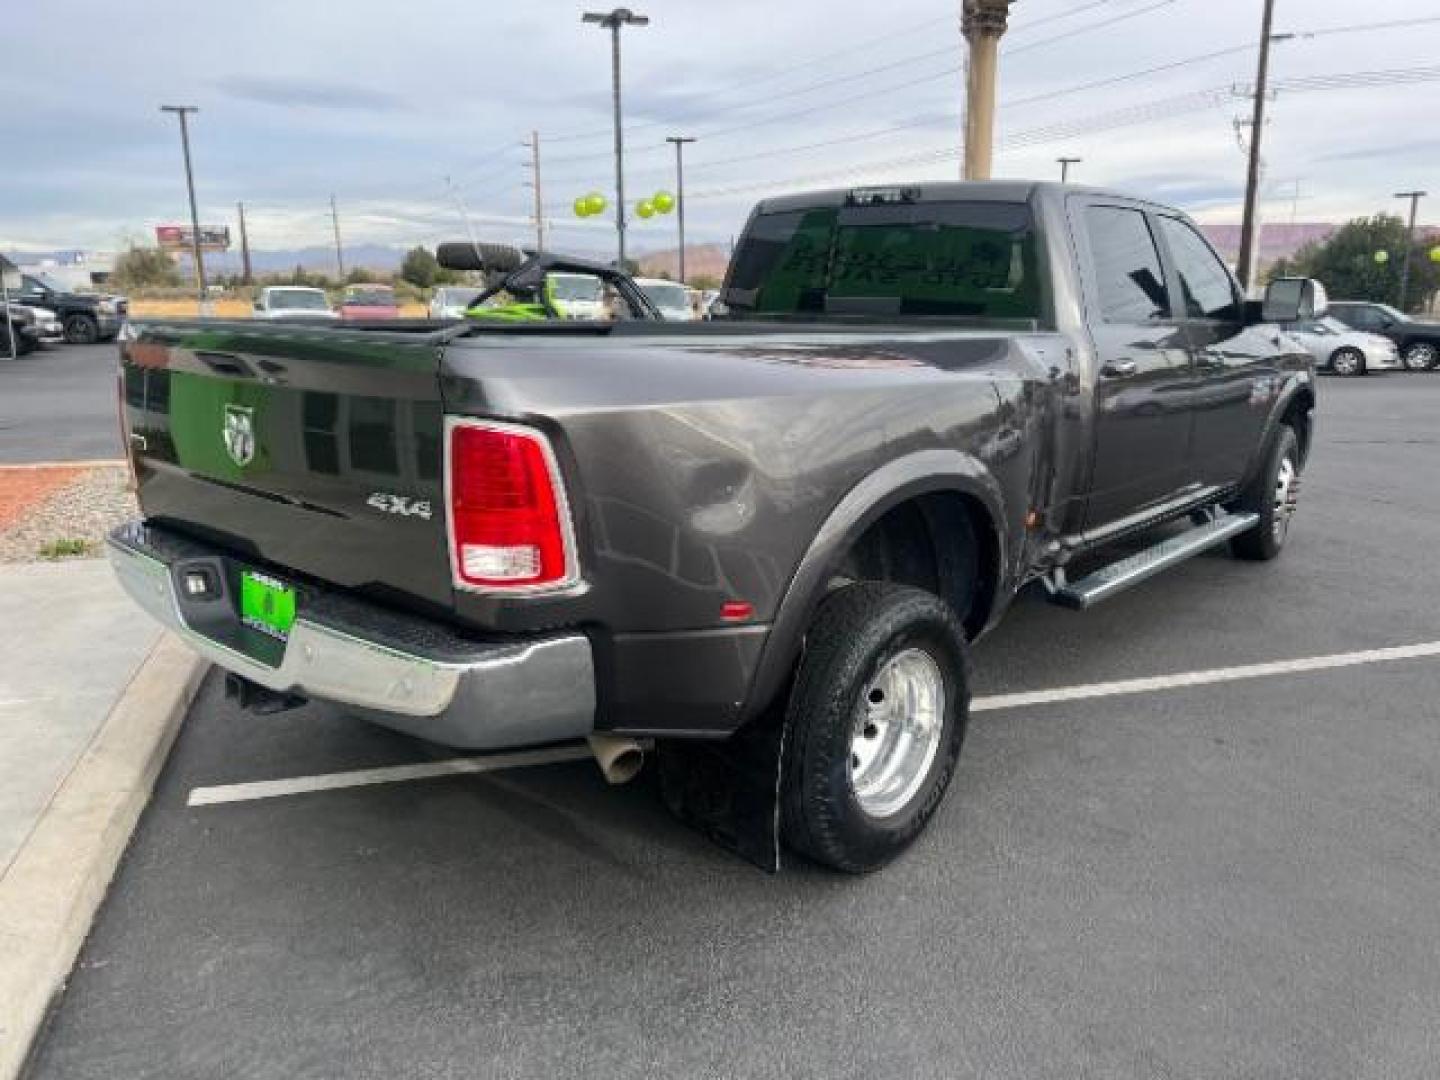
[510, 694]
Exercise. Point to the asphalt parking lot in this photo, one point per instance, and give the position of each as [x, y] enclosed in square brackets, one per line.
[58, 404]
[1233, 879]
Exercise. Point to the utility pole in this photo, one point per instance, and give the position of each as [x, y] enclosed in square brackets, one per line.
[680, 141]
[245, 275]
[183, 112]
[1245, 260]
[534, 145]
[613, 21]
[1414, 197]
[1065, 163]
[983, 23]
[339, 251]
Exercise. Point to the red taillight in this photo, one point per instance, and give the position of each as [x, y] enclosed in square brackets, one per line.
[508, 523]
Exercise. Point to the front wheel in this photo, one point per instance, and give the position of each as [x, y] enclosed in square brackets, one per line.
[1348, 361]
[875, 722]
[81, 330]
[1272, 495]
[1422, 356]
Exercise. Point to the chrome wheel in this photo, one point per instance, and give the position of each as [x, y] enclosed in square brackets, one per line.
[1421, 357]
[1287, 495]
[896, 732]
[1347, 362]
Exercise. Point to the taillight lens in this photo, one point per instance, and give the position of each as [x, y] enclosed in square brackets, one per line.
[509, 527]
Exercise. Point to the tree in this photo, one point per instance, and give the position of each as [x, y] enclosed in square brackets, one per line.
[704, 281]
[1346, 262]
[141, 267]
[421, 268]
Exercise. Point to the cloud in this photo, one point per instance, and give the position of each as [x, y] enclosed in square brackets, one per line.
[307, 93]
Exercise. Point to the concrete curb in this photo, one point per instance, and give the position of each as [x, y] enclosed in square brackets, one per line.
[57, 880]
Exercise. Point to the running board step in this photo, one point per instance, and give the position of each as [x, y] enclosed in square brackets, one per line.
[1119, 576]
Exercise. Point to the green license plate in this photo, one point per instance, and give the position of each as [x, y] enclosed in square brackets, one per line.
[266, 605]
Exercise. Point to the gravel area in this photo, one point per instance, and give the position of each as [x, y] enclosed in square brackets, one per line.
[85, 509]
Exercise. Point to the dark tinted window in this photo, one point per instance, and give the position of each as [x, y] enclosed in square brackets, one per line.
[1128, 276]
[1205, 283]
[974, 260]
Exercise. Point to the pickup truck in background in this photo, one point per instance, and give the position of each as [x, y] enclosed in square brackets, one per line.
[761, 544]
[85, 317]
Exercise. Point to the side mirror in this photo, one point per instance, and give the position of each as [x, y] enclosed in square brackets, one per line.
[1293, 300]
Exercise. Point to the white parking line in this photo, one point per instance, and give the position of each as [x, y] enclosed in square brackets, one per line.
[270, 789]
[393, 774]
[1203, 678]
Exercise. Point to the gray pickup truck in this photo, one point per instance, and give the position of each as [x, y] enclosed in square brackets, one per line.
[761, 545]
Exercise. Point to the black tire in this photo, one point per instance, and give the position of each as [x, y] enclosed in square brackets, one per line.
[1422, 356]
[858, 630]
[1262, 496]
[23, 345]
[1347, 361]
[81, 329]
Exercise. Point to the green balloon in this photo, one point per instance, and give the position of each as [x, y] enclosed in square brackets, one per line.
[663, 202]
[596, 202]
[582, 207]
[645, 208]
[1382, 257]
[1435, 254]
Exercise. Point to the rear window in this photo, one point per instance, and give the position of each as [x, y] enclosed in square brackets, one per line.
[963, 260]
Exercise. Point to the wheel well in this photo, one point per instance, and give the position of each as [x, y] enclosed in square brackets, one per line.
[942, 542]
[1297, 416]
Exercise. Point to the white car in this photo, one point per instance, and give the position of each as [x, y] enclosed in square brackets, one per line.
[672, 298]
[293, 302]
[577, 296]
[1344, 351]
[452, 301]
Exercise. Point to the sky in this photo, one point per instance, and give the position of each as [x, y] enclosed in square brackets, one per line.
[414, 115]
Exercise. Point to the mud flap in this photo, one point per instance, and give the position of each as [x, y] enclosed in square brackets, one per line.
[729, 790]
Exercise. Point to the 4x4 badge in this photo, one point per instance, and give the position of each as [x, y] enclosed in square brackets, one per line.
[239, 434]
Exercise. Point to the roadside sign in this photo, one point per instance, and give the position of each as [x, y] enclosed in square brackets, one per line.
[176, 239]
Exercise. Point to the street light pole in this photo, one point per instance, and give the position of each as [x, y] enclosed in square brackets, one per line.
[1414, 197]
[1257, 129]
[183, 111]
[983, 23]
[680, 141]
[1065, 163]
[613, 21]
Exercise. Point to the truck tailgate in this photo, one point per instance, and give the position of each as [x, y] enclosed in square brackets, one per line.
[318, 450]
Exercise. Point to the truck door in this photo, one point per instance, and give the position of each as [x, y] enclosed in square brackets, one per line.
[1236, 366]
[1142, 404]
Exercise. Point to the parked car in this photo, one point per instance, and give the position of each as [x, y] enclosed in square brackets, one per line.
[451, 301]
[672, 298]
[766, 542]
[1418, 339]
[577, 296]
[86, 317]
[293, 302]
[369, 302]
[1338, 348]
[29, 327]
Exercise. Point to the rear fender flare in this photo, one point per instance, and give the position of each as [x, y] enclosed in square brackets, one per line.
[916, 474]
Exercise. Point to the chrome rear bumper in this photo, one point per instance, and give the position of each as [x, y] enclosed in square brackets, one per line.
[450, 689]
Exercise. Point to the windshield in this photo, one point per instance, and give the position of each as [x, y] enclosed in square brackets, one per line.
[671, 297]
[372, 296]
[1390, 312]
[575, 287]
[453, 297]
[299, 300]
[973, 260]
[48, 282]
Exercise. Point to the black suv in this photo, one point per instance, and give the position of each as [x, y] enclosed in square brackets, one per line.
[87, 318]
[1418, 341]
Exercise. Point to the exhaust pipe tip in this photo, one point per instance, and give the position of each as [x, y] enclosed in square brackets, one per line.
[620, 758]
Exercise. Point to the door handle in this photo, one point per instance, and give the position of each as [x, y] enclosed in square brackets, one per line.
[1120, 369]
